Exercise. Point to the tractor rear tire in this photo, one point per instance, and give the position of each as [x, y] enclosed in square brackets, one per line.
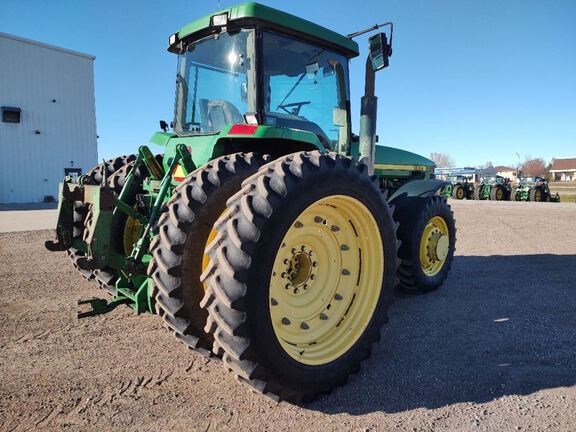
[498, 193]
[458, 192]
[81, 210]
[301, 275]
[536, 195]
[423, 222]
[183, 232]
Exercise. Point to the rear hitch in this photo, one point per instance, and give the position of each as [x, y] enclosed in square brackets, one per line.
[100, 306]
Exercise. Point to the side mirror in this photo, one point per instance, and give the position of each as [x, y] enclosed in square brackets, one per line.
[163, 125]
[380, 51]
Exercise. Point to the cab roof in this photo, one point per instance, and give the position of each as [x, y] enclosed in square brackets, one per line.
[255, 13]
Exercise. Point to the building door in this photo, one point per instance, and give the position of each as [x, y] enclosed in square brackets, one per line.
[75, 173]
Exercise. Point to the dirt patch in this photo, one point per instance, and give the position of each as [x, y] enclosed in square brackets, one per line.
[493, 349]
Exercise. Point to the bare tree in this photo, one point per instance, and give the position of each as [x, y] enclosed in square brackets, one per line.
[488, 164]
[442, 160]
[534, 167]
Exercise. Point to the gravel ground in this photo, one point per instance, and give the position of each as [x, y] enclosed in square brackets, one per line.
[493, 349]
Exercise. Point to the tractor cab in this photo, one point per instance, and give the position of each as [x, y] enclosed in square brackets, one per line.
[494, 180]
[245, 66]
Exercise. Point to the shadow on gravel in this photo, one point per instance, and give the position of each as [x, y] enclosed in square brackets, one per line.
[501, 325]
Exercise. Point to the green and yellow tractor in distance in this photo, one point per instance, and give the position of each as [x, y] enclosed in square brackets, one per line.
[458, 187]
[266, 233]
[533, 188]
[493, 187]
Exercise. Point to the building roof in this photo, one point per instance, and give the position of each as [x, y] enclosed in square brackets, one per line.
[246, 12]
[45, 45]
[504, 168]
[564, 164]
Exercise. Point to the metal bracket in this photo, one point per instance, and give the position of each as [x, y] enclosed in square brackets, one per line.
[68, 193]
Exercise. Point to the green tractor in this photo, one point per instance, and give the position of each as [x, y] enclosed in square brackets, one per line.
[533, 188]
[458, 187]
[493, 187]
[265, 234]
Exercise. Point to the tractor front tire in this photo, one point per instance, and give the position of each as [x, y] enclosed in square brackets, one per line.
[301, 275]
[183, 232]
[428, 234]
[458, 192]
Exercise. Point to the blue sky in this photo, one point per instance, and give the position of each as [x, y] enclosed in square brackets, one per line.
[480, 80]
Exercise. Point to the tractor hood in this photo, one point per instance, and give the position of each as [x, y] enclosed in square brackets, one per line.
[389, 158]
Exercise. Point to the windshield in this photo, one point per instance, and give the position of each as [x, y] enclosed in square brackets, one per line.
[305, 87]
[215, 83]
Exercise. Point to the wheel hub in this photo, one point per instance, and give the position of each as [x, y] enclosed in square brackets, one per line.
[326, 279]
[299, 269]
[438, 245]
[434, 246]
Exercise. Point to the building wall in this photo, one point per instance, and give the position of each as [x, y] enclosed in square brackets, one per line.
[54, 88]
[509, 174]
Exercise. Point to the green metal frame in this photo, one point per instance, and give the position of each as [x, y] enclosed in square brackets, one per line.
[133, 287]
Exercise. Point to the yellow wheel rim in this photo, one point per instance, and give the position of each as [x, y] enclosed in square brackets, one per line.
[434, 246]
[206, 258]
[538, 195]
[460, 193]
[326, 280]
[499, 194]
[132, 232]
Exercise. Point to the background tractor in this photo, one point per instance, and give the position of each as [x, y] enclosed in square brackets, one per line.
[266, 233]
[458, 187]
[533, 188]
[495, 187]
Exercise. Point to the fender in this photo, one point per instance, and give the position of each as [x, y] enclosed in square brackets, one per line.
[418, 188]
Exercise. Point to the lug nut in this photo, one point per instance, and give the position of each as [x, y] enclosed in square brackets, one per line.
[318, 219]
[273, 302]
[323, 316]
[285, 321]
[338, 296]
[335, 228]
[344, 247]
[298, 224]
[345, 272]
[304, 326]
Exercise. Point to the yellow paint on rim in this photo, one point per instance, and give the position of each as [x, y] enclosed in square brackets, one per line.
[460, 193]
[434, 246]
[326, 280]
[499, 194]
[132, 232]
[206, 258]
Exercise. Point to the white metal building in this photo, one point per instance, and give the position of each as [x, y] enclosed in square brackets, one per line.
[47, 118]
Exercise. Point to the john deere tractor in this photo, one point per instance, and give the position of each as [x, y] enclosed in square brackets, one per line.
[533, 188]
[493, 187]
[265, 233]
[458, 187]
